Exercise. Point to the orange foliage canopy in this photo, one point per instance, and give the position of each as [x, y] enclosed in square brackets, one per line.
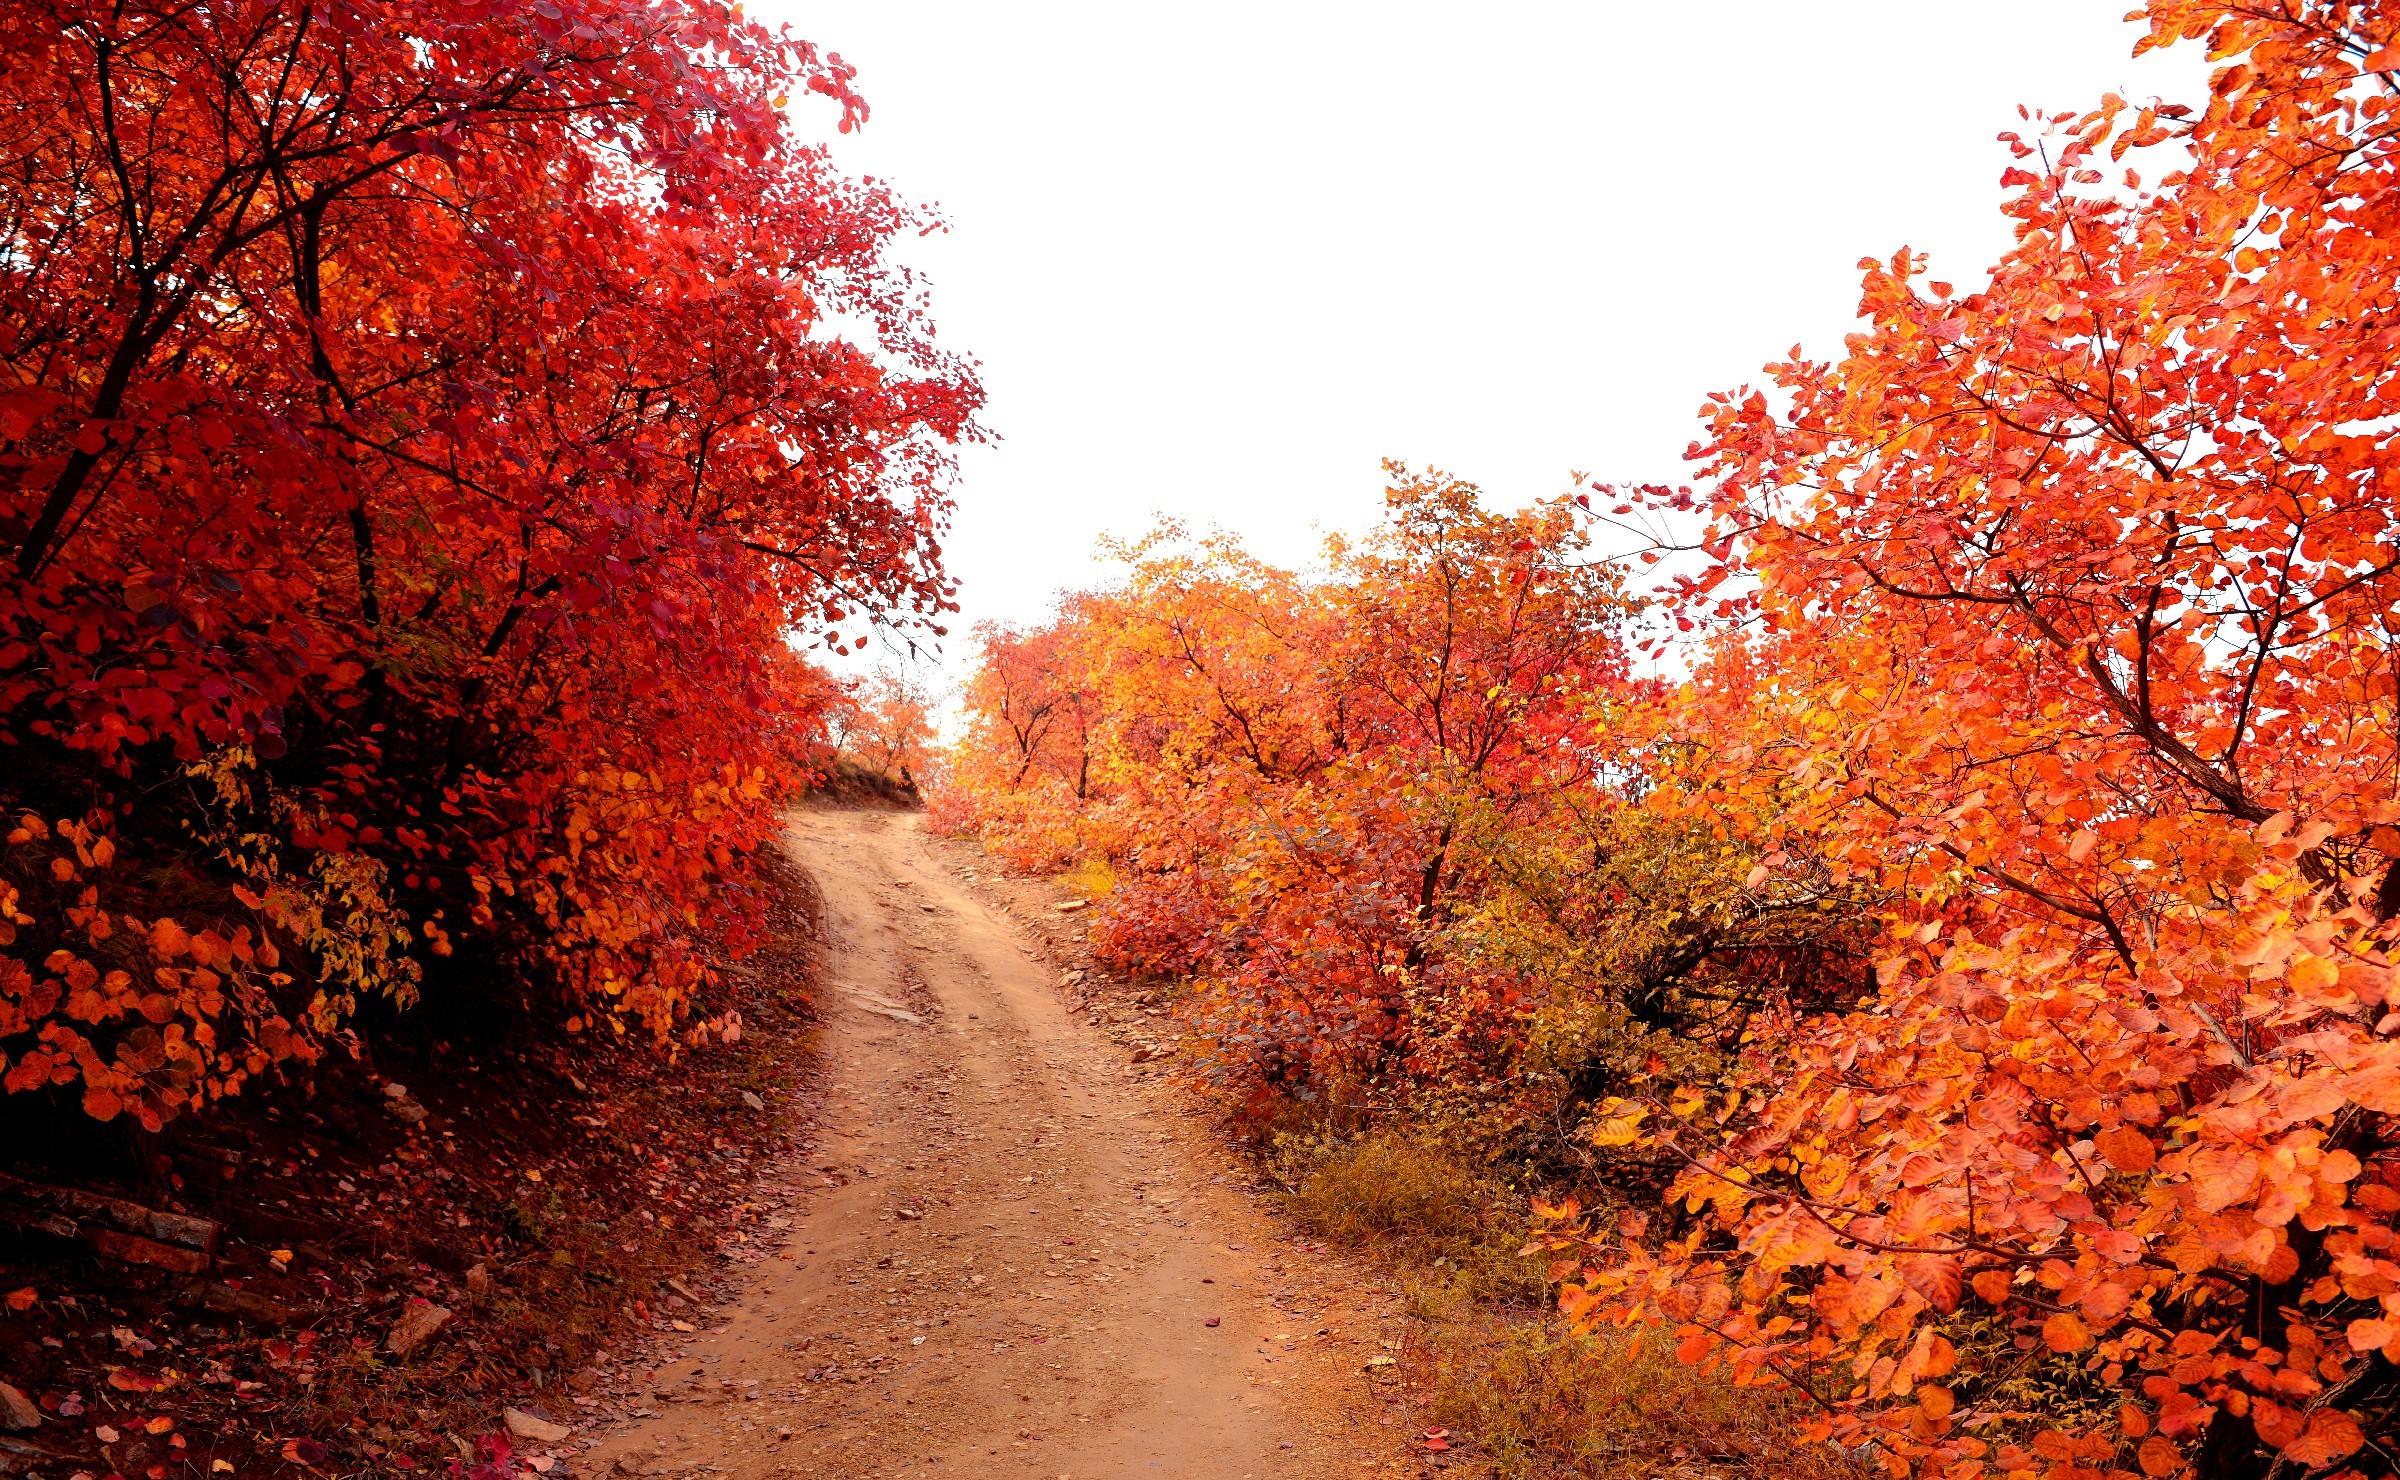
[884, 723]
[1291, 787]
[419, 426]
[2078, 597]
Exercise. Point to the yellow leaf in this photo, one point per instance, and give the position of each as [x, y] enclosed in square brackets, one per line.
[1622, 1127]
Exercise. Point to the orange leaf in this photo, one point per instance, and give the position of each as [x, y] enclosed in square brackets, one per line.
[2120, 1245]
[2283, 1261]
[2377, 1088]
[2331, 1435]
[2127, 1149]
[1934, 1276]
[1991, 1286]
[2223, 1176]
[2313, 975]
[2276, 1424]
[22, 1299]
[2160, 1458]
[2064, 1333]
[168, 940]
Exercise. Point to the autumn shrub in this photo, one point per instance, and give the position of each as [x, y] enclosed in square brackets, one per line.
[1414, 1201]
[1388, 1189]
[414, 455]
[1540, 1403]
[1296, 813]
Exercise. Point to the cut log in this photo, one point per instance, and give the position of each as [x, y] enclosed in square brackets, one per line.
[19, 1457]
[243, 1305]
[53, 1224]
[208, 1163]
[132, 1248]
[171, 1228]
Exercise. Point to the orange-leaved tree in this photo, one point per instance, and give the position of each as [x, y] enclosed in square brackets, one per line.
[884, 724]
[1306, 794]
[2079, 591]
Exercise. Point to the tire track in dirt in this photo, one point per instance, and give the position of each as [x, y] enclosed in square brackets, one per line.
[1006, 1253]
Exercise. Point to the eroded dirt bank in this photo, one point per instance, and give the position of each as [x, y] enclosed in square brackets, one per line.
[1008, 1250]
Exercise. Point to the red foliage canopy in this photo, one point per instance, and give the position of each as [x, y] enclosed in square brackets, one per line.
[427, 420]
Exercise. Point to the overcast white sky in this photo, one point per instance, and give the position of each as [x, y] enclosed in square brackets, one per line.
[1218, 261]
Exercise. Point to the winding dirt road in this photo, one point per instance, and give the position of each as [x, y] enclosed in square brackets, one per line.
[1009, 1251]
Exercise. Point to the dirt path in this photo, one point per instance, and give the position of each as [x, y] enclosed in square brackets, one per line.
[1008, 1253]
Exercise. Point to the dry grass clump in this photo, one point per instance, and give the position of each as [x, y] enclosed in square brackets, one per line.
[1537, 1404]
[1525, 1400]
[1458, 1232]
[1391, 1191]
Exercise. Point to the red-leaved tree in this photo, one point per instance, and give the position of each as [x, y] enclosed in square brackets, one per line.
[420, 426]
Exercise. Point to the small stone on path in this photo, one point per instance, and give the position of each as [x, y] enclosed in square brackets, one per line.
[530, 1426]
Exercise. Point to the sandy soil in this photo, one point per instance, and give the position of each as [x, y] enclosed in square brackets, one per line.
[1010, 1251]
